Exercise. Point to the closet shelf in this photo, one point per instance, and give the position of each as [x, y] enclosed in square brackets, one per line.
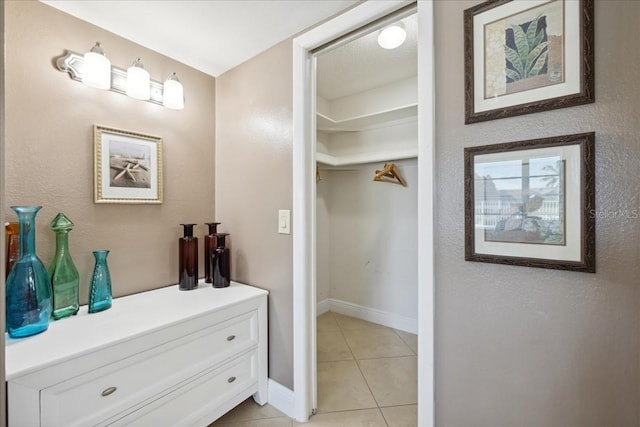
[369, 157]
[324, 123]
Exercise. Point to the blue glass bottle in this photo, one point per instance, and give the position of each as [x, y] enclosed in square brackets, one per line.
[100, 287]
[28, 289]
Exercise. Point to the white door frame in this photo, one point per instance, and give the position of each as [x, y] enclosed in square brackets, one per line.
[304, 201]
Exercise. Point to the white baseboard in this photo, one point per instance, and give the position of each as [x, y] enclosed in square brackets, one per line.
[392, 320]
[322, 307]
[281, 398]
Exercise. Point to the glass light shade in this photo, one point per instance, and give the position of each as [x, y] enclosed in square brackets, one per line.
[96, 71]
[173, 93]
[392, 36]
[138, 81]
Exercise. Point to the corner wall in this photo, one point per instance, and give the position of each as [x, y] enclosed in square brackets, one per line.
[253, 181]
[519, 346]
[49, 148]
[367, 239]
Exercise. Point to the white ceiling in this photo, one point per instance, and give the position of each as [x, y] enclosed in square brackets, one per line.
[361, 64]
[212, 36]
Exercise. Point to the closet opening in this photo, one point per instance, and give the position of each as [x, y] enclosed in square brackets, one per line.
[366, 219]
[305, 173]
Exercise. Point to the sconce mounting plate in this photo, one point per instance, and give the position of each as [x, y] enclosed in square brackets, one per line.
[72, 63]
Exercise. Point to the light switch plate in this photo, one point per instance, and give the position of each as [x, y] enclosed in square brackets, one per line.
[284, 221]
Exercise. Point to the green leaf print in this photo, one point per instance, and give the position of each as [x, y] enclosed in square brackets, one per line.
[535, 70]
[521, 43]
[530, 54]
[532, 32]
[532, 57]
[513, 57]
[512, 74]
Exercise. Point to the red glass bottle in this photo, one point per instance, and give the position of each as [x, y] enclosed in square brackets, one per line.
[188, 259]
[221, 263]
[12, 240]
[210, 245]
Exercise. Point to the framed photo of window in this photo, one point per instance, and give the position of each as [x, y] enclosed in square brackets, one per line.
[529, 56]
[127, 166]
[532, 203]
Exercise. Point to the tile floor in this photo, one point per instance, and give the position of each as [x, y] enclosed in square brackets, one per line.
[366, 377]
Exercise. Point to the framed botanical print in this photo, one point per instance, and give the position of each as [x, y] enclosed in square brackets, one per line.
[529, 56]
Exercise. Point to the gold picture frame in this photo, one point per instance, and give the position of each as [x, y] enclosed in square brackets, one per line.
[127, 166]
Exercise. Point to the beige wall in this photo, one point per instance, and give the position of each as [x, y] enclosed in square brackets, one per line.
[3, 390]
[518, 346]
[367, 240]
[514, 346]
[49, 148]
[254, 180]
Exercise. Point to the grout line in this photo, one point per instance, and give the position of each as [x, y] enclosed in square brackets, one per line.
[361, 373]
[344, 337]
[404, 341]
[357, 360]
[378, 407]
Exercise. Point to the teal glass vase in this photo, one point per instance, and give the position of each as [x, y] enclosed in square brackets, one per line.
[100, 287]
[28, 289]
[63, 274]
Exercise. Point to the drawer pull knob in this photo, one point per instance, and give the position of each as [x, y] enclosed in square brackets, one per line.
[108, 391]
[231, 379]
[231, 337]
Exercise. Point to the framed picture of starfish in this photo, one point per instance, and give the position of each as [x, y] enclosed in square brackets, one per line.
[127, 166]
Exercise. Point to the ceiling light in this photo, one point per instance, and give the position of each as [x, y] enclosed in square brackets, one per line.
[138, 81]
[96, 71]
[392, 36]
[173, 93]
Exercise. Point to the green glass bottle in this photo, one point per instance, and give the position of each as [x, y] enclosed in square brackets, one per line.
[62, 272]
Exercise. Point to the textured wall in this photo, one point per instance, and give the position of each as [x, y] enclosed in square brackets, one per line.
[533, 347]
[253, 180]
[49, 148]
[3, 390]
[369, 236]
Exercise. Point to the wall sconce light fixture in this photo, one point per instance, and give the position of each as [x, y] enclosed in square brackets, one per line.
[138, 81]
[392, 36]
[97, 68]
[135, 81]
[173, 93]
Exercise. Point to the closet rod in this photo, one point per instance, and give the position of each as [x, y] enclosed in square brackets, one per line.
[403, 12]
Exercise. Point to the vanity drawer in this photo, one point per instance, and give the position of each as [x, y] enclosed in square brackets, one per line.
[212, 389]
[92, 397]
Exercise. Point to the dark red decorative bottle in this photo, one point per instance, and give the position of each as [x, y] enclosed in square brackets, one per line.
[210, 245]
[221, 263]
[188, 255]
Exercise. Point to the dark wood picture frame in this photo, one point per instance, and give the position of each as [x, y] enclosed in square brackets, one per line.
[577, 62]
[511, 233]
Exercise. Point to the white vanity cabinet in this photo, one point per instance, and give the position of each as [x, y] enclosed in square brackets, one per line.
[159, 358]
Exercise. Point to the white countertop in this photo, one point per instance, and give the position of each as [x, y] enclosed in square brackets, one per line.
[128, 317]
